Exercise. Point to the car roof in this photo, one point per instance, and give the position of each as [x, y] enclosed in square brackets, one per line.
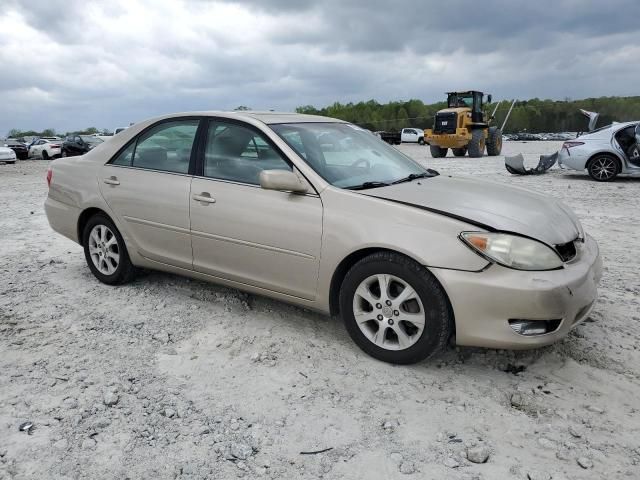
[270, 118]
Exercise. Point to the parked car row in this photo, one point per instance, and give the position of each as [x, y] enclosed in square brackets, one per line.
[533, 137]
[50, 147]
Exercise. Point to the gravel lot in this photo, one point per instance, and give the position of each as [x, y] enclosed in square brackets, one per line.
[174, 378]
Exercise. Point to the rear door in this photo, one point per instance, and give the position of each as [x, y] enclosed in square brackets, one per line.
[148, 184]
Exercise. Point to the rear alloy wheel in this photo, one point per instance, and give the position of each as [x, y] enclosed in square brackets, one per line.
[394, 309]
[603, 168]
[438, 152]
[459, 152]
[476, 144]
[105, 251]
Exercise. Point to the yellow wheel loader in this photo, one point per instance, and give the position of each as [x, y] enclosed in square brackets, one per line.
[463, 127]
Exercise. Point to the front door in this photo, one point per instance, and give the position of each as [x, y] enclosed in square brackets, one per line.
[147, 186]
[241, 232]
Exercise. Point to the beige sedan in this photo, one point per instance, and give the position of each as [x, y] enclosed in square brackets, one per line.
[320, 213]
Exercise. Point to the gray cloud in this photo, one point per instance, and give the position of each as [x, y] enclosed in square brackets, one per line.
[71, 64]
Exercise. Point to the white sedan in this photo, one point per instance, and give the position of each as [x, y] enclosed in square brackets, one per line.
[46, 148]
[605, 153]
[7, 155]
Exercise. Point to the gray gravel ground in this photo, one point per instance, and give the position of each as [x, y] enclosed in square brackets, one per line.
[173, 378]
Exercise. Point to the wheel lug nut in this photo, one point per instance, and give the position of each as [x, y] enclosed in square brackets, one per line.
[396, 313]
[391, 321]
[380, 317]
[388, 302]
[378, 305]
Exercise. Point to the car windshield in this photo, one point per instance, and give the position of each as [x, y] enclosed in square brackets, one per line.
[348, 156]
[91, 140]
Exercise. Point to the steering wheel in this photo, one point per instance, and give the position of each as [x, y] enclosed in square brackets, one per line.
[363, 161]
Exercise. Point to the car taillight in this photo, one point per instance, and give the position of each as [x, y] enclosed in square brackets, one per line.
[49, 176]
[568, 145]
[55, 145]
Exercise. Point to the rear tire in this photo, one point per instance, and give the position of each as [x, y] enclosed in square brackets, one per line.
[421, 141]
[459, 152]
[476, 144]
[45, 155]
[603, 168]
[102, 244]
[425, 301]
[438, 152]
[494, 142]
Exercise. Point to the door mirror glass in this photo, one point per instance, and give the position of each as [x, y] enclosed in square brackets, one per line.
[282, 180]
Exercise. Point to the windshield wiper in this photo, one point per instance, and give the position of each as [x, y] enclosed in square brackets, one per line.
[414, 176]
[366, 185]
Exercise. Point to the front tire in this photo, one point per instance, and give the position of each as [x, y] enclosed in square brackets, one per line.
[603, 168]
[105, 251]
[394, 309]
[476, 144]
[438, 152]
[494, 142]
[459, 152]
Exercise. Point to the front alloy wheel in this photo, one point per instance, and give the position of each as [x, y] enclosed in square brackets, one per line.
[394, 309]
[388, 312]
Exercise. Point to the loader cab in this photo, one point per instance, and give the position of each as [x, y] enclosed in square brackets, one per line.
[472, 100]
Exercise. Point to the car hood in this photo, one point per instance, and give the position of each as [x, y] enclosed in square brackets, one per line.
[489, 205]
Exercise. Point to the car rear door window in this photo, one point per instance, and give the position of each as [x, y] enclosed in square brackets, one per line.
[237, 153]
[125, 157]
[166, 146]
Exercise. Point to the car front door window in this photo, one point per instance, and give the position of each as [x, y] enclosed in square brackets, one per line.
[238, 153]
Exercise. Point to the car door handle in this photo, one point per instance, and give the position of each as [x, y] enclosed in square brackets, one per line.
[204, 197]
[111, 181]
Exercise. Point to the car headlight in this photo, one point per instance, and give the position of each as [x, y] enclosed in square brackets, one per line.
[513, 251]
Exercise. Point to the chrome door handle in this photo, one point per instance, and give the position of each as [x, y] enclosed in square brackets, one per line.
[111, 181]
[204, 197]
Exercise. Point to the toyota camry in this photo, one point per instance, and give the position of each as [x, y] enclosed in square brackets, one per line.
[320, 213]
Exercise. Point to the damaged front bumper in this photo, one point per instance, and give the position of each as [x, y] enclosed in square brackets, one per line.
[515, 164]
[485, 302]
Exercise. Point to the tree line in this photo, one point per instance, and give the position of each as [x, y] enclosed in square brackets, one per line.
[51, 132]
[535, 115]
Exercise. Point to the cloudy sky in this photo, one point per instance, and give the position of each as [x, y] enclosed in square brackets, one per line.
[70, 64]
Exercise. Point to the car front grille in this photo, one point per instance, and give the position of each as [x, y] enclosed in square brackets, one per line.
[445, 122]
[567, 251]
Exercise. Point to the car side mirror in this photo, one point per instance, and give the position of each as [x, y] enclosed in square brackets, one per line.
[489, 98]
[282, 180]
